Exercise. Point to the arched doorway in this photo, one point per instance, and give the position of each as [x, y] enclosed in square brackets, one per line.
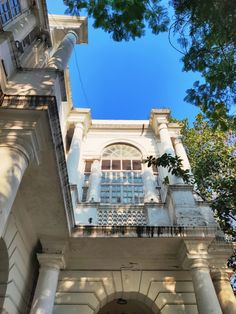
[4, 268]
[124, 306]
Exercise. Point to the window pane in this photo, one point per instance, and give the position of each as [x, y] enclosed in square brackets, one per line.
[84, 194]
[126, 164]
[115, 164]
[137, 165]
[88, 164]
[106, 165]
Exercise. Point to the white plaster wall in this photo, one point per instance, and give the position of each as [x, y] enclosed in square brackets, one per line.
[24, 5]
[88, 291]
[97, 140]
[158, 216]
[20, 244]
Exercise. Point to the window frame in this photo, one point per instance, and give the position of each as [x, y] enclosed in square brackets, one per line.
[121, 184]
[9, 10]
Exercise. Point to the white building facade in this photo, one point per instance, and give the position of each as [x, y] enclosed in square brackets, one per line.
[85, 226]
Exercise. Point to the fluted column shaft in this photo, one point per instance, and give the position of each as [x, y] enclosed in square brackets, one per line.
[14, 162]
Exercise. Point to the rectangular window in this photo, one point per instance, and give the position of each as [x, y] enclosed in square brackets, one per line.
[84, 193]
[124, 187]
[8, 10]
[137, 165]
[115, 164]
[126, 164]
[106, 165]
[88, 165]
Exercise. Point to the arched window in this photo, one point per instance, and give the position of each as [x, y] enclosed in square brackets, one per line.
[121, 180]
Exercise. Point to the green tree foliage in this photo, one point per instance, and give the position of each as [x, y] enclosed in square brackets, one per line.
[124, 19]
[207, 35]
[212, 155]
[173, 165]
[206, 32]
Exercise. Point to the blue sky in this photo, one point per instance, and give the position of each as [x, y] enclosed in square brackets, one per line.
[126, 80]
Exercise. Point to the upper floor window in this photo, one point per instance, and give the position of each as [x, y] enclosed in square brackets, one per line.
[122, 180]
[9, 9]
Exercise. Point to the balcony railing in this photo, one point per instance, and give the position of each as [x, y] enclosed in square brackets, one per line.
[146, 231]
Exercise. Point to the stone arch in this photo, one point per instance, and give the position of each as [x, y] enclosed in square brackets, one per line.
[126, 301]
[4, 271]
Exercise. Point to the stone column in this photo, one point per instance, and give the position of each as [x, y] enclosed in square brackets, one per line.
[167, 148]
[224, 291]
[150, 191]
[94, 182]
[14, 161]
[207, 301]
[74, 154]
[180, 151]
[50, 265]
[61, 57]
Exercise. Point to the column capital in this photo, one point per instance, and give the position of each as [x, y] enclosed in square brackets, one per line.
[157, 117]
[194, 253]
[197, 247]
[221, 274]
[54, 261]
[80, 118]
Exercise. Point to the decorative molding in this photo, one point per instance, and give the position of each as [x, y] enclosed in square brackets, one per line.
[55, 261]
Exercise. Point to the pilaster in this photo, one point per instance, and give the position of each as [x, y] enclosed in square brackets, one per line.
[80, 121]
[180, 151]
[159, 123]
[150, 185]
[225, 294]
[94, 182]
